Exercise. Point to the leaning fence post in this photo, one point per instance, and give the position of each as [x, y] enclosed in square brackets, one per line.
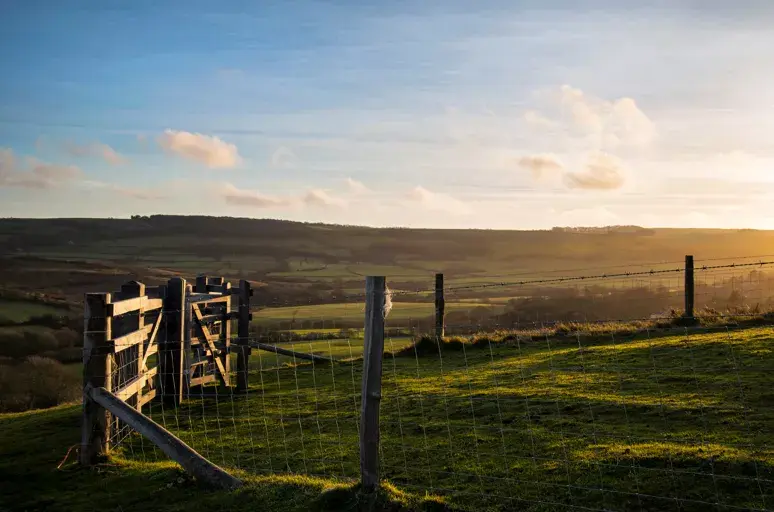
[97, 372]
[243, 334]
[689, 287]
[440, 307]
[373, 350]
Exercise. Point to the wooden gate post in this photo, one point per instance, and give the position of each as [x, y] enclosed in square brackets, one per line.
[97, 372]
[689, 287]
[440, 308]
[373, 351]
[243, 334]
[171, 351]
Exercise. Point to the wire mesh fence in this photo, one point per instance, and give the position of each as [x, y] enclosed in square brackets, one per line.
[587, 391]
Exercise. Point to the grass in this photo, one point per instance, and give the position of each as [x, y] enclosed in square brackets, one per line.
[332, 314]
[340, 349]
[38, 473]
[21, 311]
[650, 422]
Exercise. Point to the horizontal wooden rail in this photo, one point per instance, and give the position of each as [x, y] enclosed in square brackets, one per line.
[129, 305]
[202, 469]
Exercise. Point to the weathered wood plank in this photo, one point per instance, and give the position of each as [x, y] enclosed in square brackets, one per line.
[373, 350]
[146, 397]
[171, 356]
[97, 370]
[199, 381]
[202, 469]
[130, 305]
[152, 345]
[243, 334]
[211, 344]
[196, 298]
[135, 386]
[225, 336]
[133, 338]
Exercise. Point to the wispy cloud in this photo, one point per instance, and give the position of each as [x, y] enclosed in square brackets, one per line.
[601, 172]
[357, 187]
[96, 149]
[34, 174]
[143, 194]
[206, 149]
[283, 158]
[541, 166]
[436, 201]
[312, 198]
[318, 197]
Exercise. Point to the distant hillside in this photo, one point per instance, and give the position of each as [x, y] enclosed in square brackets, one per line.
[63, 253]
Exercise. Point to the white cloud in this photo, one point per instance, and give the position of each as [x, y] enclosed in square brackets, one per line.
[437, 201]
[541, 166]
[283, 158]
[241, 197]
[36, 174]
[537, 120]
[313, 198]
[97, 149]
[206, 149]
[317, 197]
[357, 187]
[601, 172]
[601, 123]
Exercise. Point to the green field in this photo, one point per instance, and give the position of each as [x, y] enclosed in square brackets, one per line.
[21, 311]
[679, 422]
[340, 349]
[332, 314]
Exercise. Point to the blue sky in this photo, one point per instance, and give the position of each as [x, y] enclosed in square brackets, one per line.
[432, 114]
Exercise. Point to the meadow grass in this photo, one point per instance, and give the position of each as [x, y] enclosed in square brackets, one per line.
[605, 422]
[21, 311]
[680, 422]
[333, 313]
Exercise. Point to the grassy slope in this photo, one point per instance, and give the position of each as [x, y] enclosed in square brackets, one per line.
[664, 423]
[20, 311]
[35, 443]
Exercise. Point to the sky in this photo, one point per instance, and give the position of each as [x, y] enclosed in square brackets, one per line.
[444, 114]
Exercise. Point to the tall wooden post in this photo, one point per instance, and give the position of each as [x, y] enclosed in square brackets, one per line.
[440, 307]
[171, 349]
[373, 350]
[243, 334]
[97, 372]
[689, 287]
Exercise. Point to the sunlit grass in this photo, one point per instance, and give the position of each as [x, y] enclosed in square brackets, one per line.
[677, 422]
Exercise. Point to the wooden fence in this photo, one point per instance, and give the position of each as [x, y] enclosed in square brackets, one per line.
[166, 341]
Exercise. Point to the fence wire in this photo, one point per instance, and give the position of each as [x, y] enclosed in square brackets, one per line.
[546, 394]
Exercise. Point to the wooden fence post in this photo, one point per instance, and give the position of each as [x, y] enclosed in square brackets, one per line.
[373, 351]
[97, 371]
[243, 334]
[171, 352]
[440, 307]
[689, 287]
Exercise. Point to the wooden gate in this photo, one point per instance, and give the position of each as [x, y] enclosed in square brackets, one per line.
[209, 317]
[143, 342]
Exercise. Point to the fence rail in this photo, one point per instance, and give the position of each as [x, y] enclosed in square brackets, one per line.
[482, 408]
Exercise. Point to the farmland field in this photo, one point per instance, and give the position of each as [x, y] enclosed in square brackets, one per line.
[337, 313]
